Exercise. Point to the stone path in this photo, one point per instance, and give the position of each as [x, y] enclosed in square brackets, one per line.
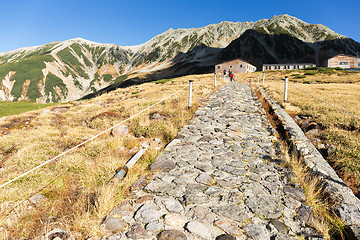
[222, 178]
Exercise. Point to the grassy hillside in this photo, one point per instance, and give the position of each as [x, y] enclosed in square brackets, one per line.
[78, 195]
[15, 108]
[29, 68]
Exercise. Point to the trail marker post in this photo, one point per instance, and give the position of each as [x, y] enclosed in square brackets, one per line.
[215, 80]
[190, 92]
[263, 77]
[286, 88]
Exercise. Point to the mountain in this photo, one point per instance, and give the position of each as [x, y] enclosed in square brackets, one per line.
[69, 70]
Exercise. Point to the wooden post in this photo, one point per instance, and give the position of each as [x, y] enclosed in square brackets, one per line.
[286, 88]
[121, 172]
[215, 80]
[263, 77]
[190, 92]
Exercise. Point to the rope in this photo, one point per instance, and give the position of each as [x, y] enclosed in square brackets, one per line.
[326, 102]
[90, 139]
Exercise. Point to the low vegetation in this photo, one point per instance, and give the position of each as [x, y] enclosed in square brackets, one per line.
[76, 187]
[15, 108]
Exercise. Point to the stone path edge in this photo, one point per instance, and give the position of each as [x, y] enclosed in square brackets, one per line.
[348, 205]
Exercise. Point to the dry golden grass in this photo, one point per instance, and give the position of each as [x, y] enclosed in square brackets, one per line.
[76, 185]
[324, 218]
[340, 130]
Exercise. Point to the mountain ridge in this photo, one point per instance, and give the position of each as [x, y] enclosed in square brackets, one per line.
[68, 70]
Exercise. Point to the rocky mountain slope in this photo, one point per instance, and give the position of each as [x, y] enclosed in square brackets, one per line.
[65, 71]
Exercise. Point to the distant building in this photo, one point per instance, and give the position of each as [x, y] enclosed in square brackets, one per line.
[287, 66]
[343, 61]
[236, 66]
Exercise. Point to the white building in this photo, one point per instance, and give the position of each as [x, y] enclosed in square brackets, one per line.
[287, 66]
[236, 66]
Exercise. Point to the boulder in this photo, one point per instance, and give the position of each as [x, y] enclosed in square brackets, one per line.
[120, 131]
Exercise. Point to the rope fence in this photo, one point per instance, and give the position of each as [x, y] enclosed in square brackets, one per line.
[292, 85]
[88, 140]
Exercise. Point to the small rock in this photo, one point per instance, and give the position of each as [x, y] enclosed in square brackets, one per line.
[265, 205]
[281, 227]
[229, 227]
[139, 184]
[115, 225]
[155, 116]
[201, 214]
[37, 200]
[204, 178]
[57, 234]
[174, 220]
[295, 193]
[162, 165]
[256, 231]
[172, 205]
[304, 214]
[313, 132]
[349, 213]
[59, 110]
[136, 231]
[225, 237]
[154, 226]
[122, 209]
[148, 212]
[198, 229]
[120, 131]
[171, 235]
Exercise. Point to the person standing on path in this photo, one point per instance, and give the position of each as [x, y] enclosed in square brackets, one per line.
[231, 75]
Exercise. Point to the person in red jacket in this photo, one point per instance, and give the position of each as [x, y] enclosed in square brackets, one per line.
[231, 75]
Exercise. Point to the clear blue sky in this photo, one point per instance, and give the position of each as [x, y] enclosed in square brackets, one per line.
[26, 23]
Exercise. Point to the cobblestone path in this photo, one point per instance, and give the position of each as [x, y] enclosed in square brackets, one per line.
[222, 178]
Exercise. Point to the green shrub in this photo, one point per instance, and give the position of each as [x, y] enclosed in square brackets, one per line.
[299, 76]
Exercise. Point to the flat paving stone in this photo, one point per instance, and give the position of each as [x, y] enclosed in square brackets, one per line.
[222, 179]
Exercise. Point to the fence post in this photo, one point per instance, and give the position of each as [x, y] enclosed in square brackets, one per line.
[190, 92]
[215, 80]
[263, 77]
[258, 79]
[286, 88]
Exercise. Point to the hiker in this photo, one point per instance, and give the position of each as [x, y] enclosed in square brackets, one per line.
[231, 75]
[224, 72]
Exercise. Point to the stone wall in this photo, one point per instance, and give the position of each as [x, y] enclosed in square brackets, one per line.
[347, 204]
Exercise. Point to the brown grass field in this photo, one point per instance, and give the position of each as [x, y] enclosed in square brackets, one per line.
[76, 186]
[338, 130]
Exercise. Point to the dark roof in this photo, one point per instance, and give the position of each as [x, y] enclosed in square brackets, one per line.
[234, 60]
[280, 64]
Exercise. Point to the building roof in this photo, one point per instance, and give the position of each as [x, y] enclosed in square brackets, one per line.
[280, 64]
[234, 60]
[345, 55]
